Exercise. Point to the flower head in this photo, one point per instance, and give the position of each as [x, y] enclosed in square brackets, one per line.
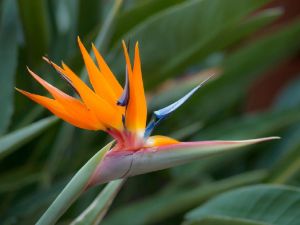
[122, 113]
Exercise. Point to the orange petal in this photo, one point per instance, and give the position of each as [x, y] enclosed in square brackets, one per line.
[107, 73]
[60, 111]
[55, 92]
[159, 140]
[136, 115]
[98, 81]
[107, 114]
[127, 59]
[70, 104]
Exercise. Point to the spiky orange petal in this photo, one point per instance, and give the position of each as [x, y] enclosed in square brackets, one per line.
[97, 79]
[85, 122]
[109, 115]
[136, 115]
[70, 104]
[107, 73]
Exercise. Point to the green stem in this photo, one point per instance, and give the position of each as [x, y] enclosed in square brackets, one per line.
[98, 208]
[73, 189]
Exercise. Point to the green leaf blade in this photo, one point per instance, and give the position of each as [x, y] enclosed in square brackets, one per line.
[8, 59]
[202, 20]
[12, 141]
[277, 205]
[73, 189]
[157, 207]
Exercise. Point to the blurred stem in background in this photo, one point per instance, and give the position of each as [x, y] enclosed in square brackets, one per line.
[36, 28]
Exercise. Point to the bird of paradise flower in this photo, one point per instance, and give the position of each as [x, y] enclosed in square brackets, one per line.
[122, 113]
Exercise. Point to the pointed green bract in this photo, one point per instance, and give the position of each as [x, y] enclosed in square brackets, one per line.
[177, 154]
[120, 164]
[73, 189]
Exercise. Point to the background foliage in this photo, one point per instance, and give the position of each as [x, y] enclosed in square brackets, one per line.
[255, 93]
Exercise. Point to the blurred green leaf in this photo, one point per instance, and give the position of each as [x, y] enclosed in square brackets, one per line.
[288, 161]
[64, 14]
[96, 211]
[289, 96]
[16, 139]
[73, 189]
[17, 179]
[36, 27]
[8, 59]
[174, 92]
[35, 112]
[89, 16]
[23, 211]
[248, 126]
[230, 34]
[217, 220]
[256, 21]
[262, 204]
[63, 139]
[138, 13]
[240, 70]
[253, 125]
[108, 27]
[199, 21]
[165, 204]
[186, 132]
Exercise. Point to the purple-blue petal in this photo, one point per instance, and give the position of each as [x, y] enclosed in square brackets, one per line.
[164, 112]
[161, 114]
[124, 99]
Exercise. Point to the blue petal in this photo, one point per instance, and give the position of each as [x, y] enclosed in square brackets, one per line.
[124, 99]
[164, 112]
[150, 127]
